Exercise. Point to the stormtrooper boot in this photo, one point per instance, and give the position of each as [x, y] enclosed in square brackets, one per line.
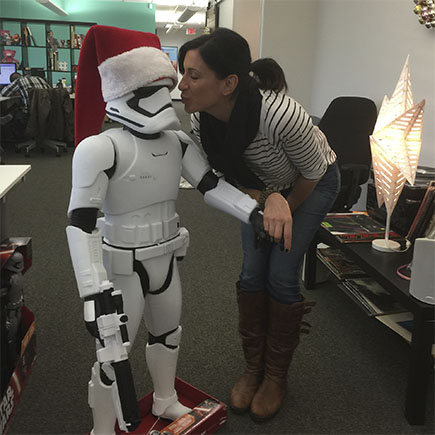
[162, 364]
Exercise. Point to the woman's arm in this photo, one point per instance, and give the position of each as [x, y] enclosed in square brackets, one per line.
[302, 188]
[278, 212]
[253, 193]
[278, 220]
[277, 216]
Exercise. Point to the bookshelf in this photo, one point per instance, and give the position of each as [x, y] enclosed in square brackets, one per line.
[57, 57]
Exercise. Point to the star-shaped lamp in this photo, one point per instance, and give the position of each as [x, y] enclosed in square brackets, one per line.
[395, 145]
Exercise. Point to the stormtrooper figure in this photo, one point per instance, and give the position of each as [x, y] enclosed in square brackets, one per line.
[127, 259]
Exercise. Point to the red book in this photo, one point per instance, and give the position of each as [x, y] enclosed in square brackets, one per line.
[356, 227]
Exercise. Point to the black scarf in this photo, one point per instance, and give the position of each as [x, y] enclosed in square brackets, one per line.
[225, 144]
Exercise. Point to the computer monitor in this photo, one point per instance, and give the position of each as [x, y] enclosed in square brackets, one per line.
[172, 53]
[6, 69]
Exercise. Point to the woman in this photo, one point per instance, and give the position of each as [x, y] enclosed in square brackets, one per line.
[264, 142]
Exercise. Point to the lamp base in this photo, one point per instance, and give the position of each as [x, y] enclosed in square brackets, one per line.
[385, 245]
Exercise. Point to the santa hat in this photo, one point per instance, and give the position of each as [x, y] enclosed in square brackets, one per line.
[112, 63]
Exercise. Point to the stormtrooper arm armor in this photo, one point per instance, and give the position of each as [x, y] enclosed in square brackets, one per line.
[92, 158]
[217, 192]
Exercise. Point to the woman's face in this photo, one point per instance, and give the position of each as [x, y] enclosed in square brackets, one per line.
[201, 90]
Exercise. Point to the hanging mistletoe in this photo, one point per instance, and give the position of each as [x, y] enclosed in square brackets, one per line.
[425, 9]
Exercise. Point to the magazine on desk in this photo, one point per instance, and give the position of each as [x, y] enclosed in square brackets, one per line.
[356, 227]
[371, 296]
[337, 262]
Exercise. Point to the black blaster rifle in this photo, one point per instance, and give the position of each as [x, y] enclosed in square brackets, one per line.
[108, 325]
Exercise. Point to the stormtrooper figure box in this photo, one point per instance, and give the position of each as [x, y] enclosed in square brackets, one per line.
[206, 416]
[125, 262]
[18, 338]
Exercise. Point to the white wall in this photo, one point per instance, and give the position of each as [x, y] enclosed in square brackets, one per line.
[351, 47]
[289, 36]
[243, 16]
[226, 13]
[247, 23]
[368, 61]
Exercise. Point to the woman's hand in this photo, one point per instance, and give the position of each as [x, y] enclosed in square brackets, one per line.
[278, 219]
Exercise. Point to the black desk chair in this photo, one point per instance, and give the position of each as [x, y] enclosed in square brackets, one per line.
[347, 123]
[3, 121]
[51, 121]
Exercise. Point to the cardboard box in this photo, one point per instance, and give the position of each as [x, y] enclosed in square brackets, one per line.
[210, 414]
[21, 374]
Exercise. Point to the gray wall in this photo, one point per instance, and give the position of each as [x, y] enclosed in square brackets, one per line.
[244, 17]
[351, 47]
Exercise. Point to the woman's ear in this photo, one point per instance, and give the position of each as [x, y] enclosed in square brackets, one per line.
[230, 84]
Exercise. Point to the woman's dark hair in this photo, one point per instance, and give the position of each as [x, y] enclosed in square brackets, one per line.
[226, 52]
[15, 76]
[269, 75]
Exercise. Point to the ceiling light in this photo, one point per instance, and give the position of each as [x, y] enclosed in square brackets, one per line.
[187, 14]
[170, 16]
[185, 3]
[172, 28]
[53, 7]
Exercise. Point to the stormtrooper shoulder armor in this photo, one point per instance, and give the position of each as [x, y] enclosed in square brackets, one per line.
[183, 137]
[194, 164]
[92, 156]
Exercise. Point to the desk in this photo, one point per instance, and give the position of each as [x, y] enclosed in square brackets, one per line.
[10, 175]
[382, 267]
[15, 97]
[8, 101]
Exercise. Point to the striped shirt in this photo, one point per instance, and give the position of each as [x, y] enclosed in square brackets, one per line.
[287, 144]
[21, 86]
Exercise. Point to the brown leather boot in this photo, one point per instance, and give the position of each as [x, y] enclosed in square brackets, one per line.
[252, 330]
[285, 325]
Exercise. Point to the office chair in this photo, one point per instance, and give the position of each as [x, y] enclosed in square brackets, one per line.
[51, 121]
[3, 121]
[347, 123]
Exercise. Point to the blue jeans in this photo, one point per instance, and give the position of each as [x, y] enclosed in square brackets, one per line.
[277, 271]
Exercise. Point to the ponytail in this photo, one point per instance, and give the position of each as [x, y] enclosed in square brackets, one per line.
[269, 75]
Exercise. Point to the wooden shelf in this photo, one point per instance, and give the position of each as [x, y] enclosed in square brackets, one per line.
[39, 30]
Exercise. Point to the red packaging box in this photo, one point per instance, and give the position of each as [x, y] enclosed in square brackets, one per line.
[22, 371]
[207, 416]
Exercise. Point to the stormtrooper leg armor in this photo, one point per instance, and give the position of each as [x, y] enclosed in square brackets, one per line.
[162, 359]
[101, 402]
[161, 309]
[162, 316]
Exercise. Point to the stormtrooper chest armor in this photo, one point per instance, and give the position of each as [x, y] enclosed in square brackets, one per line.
[139, 208]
